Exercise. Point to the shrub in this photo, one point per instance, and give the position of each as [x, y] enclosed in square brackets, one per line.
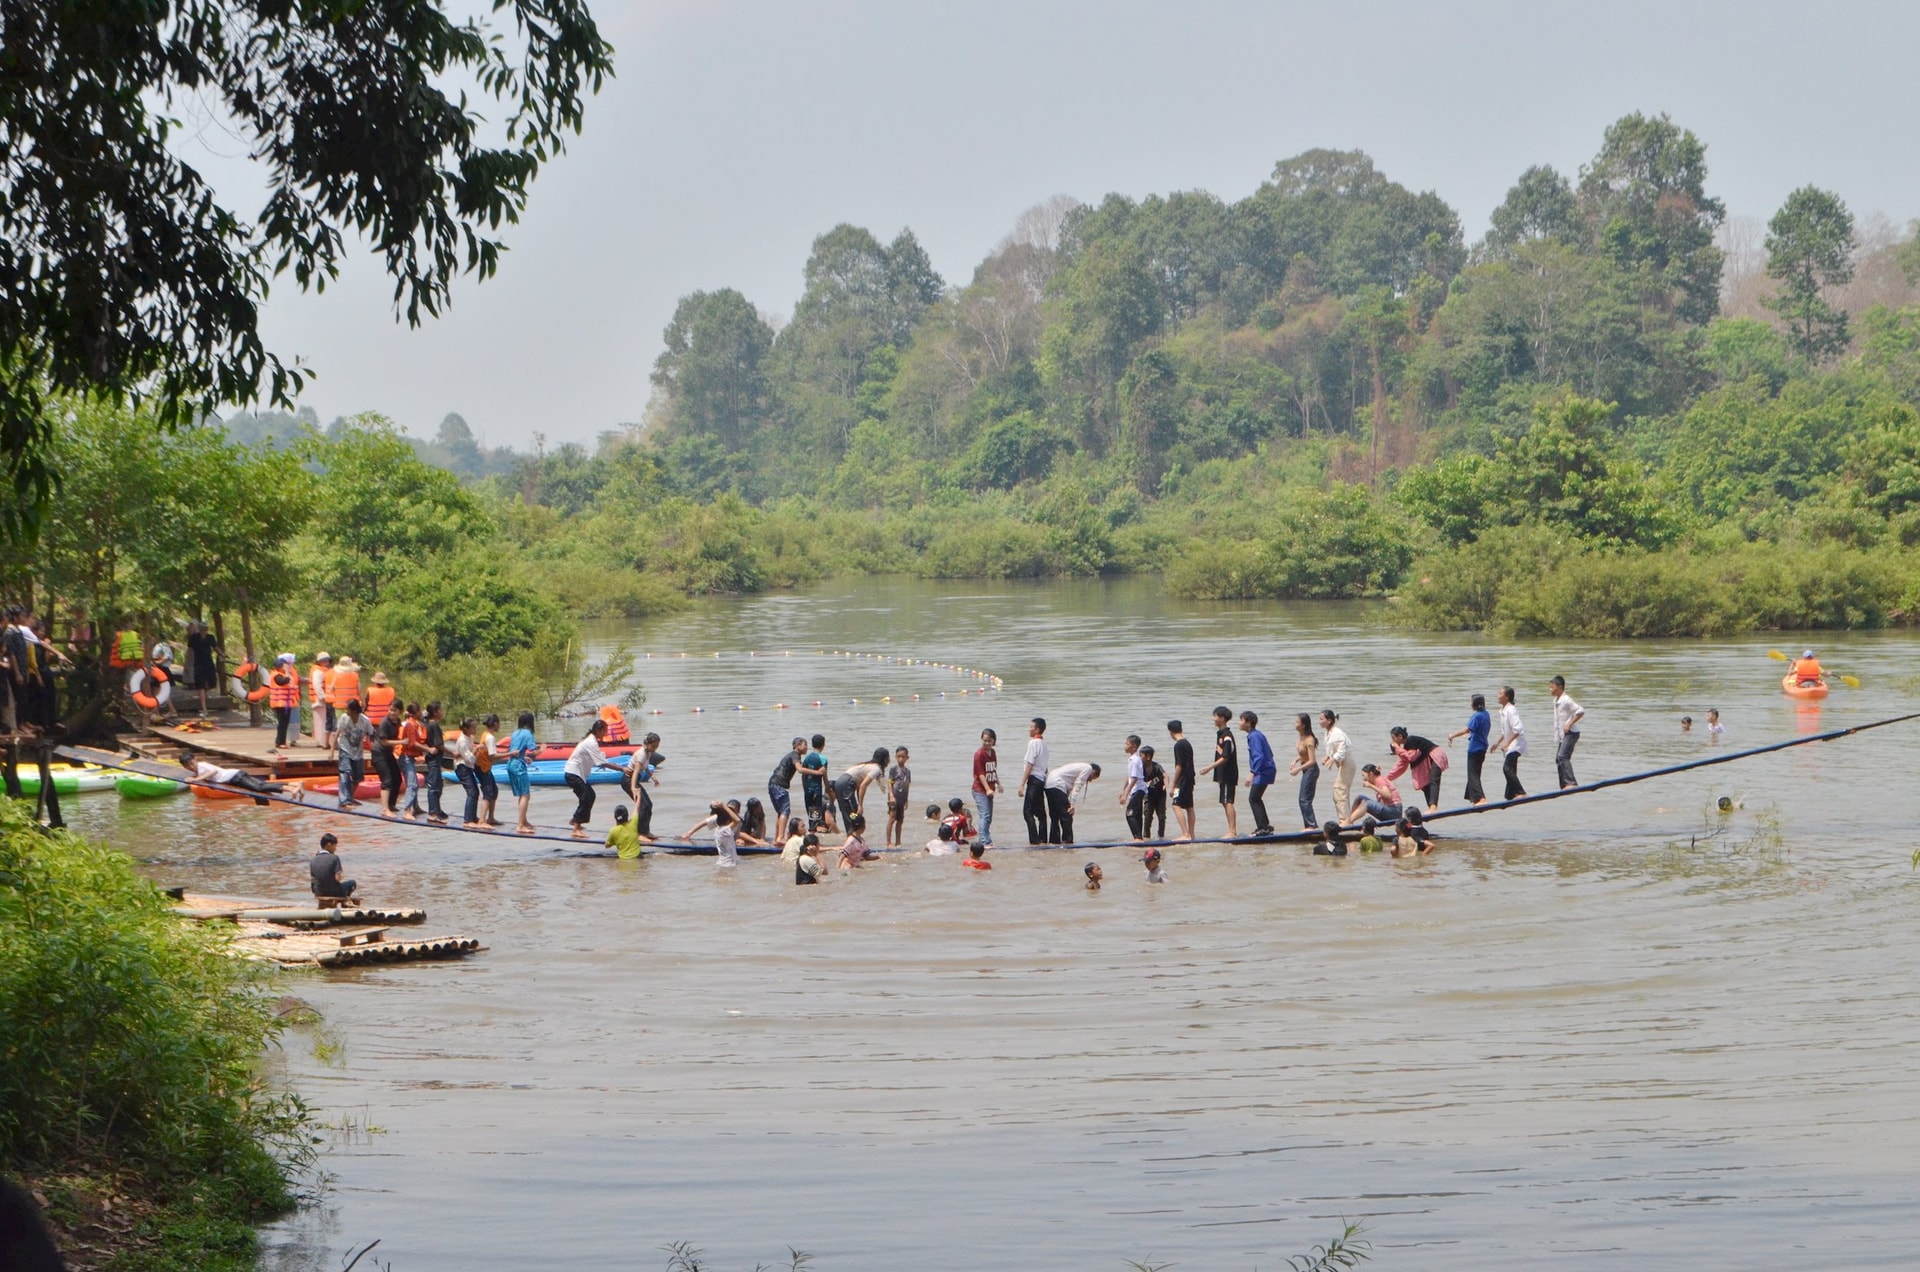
[130, 1041]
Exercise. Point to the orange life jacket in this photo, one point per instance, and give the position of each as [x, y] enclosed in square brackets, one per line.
[283, 689]
[616, 723]
[1807, 670]
[320, 684]
[378, 702]
[345, 687]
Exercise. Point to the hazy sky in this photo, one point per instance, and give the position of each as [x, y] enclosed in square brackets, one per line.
[736, 132]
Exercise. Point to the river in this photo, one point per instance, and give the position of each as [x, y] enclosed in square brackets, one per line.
[1616, 1031]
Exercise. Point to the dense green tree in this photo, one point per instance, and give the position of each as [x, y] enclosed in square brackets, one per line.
[455, 439]
[1738, 349]
[384, 510]
[712, 372]
[1646, 207]
[448, 606]
[1358, 227]
[1539, 206]
[123, 273]
[1809, 249]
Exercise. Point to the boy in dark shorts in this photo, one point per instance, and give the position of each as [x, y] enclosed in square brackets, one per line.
[1225, 768]
[813, 784]
[1182, 780]
[780, 788]
[899, 786]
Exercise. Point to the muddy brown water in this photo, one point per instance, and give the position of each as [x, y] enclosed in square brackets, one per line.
[1613, 1031]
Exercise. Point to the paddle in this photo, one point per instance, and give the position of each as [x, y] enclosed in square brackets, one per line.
[1851, 682]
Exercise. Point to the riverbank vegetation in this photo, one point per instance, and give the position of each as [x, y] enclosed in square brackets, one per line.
[1586, 422]
[131, 1091]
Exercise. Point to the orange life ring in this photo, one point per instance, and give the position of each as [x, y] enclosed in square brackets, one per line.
[151, 688]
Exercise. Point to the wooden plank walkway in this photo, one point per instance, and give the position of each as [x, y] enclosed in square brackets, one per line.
[235, 745]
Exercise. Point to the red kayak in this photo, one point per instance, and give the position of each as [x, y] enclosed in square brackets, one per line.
[564, 750]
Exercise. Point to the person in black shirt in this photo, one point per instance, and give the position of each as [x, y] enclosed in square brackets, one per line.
[436, 752]
[385, 741]
[201, 648]
[1156, 795]
[1183, 779]
[1226, 766]
[324, 870]
[780, 788]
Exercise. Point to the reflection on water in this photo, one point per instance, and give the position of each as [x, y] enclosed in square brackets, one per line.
[1619, 1028]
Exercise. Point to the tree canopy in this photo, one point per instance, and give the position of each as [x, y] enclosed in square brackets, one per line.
[121, 270]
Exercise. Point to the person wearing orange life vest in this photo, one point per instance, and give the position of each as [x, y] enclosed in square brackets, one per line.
[1806, 669]
[344, 688]
[283, 695]
[320, 691]
[379, 699]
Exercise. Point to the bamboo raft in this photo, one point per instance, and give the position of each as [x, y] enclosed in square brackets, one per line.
[328, 935]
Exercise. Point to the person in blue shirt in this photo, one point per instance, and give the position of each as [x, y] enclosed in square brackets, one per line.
[521, 748]
[813, 785]
[1261, 771]
[1479, 725]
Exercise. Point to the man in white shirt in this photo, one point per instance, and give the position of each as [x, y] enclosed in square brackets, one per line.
[214, 775]
[1033, 782]
[1133, 791]
[1513, 740]
[1566, 730]
[1340, 760]
[1066, 787]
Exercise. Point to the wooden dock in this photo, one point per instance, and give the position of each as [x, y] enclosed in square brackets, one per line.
[231, 743]
[303, 932]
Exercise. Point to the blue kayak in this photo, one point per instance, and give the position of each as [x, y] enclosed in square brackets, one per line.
[554, 772]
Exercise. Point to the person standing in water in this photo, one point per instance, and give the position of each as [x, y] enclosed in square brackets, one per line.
[813, 785]
[1133, 791]
[1479, 725]
[780, 787]
[986, 781]
[1419, 757]
[1183, 780]
[1225, 768]
[1156, 809]
[1513, 741]
[1566, 730]
[1033, 781]
[726, 827]
[850, 788]
[899, 791]
[1306, 766]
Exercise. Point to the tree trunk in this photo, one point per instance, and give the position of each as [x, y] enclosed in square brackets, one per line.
[246, 635]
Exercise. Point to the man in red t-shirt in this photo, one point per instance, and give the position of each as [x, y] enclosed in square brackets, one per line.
[986, 782]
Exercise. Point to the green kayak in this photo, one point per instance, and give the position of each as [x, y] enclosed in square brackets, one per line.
[67, 781]
[140, 786]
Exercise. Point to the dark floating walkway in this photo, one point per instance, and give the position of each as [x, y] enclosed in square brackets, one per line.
[682, 848]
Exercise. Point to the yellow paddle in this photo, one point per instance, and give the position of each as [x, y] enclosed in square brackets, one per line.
[1851, 682]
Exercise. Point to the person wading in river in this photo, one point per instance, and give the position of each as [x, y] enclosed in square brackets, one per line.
[1566, 730]
[1033, 782]
[1513, 742]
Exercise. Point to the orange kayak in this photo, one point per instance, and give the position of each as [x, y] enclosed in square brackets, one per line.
[1794, 689]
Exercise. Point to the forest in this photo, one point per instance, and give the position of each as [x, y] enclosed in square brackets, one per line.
[1611, 415]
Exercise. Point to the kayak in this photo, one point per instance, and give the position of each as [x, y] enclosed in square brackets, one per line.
[554, 773]
[369, 788]
[564, 750]
[67, 780]
[1794, 689]
[141, 786]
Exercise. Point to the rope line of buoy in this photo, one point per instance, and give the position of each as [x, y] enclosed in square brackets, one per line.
[987, 681]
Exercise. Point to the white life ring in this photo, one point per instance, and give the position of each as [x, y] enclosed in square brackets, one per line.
[137, 686]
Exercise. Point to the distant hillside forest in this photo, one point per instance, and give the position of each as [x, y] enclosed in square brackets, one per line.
[1614, 413]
